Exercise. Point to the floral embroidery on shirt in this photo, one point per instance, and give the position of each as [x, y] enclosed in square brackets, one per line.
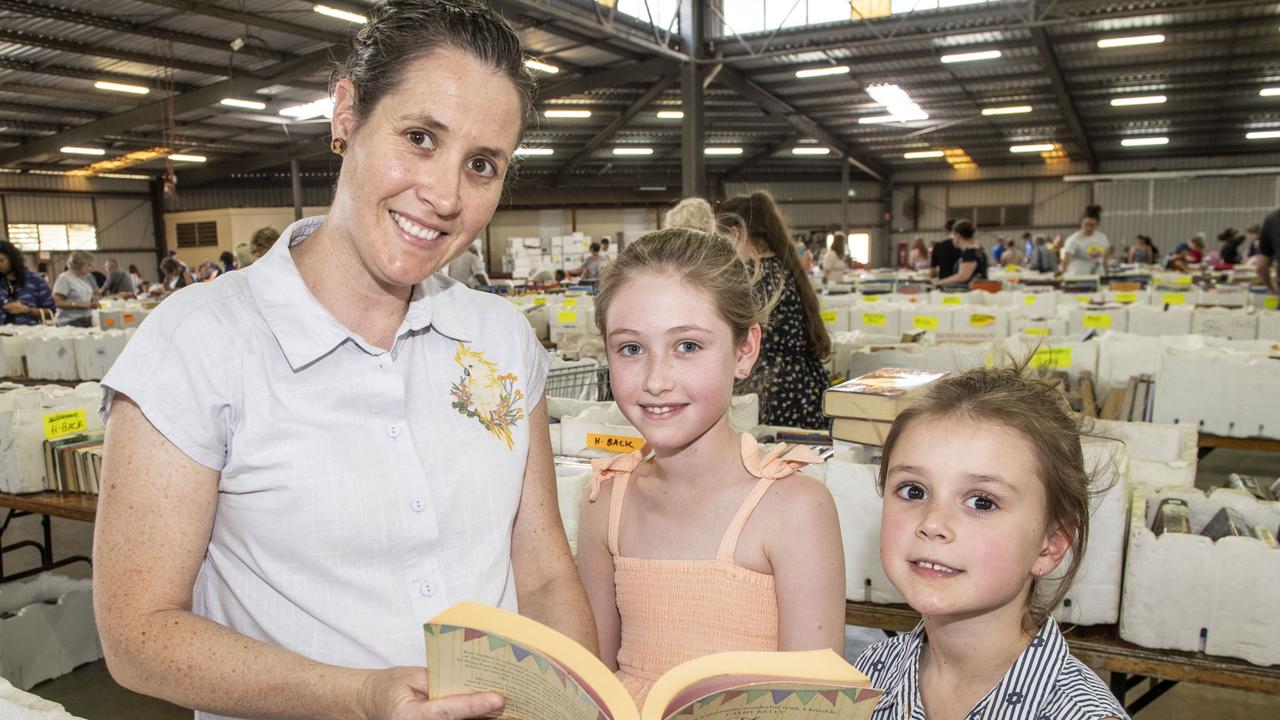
[486, 395]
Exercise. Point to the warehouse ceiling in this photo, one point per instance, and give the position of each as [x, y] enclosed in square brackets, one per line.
[1211, 69]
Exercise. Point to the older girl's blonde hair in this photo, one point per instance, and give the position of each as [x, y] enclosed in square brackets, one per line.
[704, 260]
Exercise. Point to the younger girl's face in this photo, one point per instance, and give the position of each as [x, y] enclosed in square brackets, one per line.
[672, 358]
[964, 528]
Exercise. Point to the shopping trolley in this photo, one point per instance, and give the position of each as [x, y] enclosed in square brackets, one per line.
[579, 383]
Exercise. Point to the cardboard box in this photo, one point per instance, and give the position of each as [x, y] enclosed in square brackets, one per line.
[1225, 323]
[51, 632]
[1105, 318]
[1160, 320]
[1186, 592]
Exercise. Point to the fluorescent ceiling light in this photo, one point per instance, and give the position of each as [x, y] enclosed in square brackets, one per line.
[1127, 41]
[671, 114]
[1269, 92]
[810, 151]
[822, 71]
[921, 154]
[971, 56]
[888, 94]
[1263, 135]
[121, 87]
[120, 176]
[524, 151]
[189, 158]
[1146, 100]
[1142, 142]
[45, 172]
[307, 111]
[73, 150]
[878, 119]
[632, 151]
[1008, 110]
[568, 113]
[723, 151]
[541, 66]
[333, 12]
[1040, 147]
[246, 104]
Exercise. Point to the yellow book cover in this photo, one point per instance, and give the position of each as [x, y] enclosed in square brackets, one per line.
[546, 676]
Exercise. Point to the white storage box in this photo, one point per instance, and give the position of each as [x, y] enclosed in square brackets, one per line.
[880, 318]
[1160, 320]
[934, 318]
[1049, 355]
[574, 319]
[1159, 455]
[1173, 298]
[52, 355]
[951, 357]
[1269, 325]
[1224, 323]
[1081, 319]
[1187, 592]
[51, 632]
[97, 352]
[858, 506]
[971, 323]
[836, 319]
[1124, 355]
[1230, 296]
[1127, 297]
[1039, 303]
[13, 352]
[23, 415]
[572, 481]
[1219, 391]
[953, 299]
[1094, 596]
[16, 704]
[1036, 326]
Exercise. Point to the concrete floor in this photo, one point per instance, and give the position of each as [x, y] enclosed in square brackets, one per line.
[90, 693]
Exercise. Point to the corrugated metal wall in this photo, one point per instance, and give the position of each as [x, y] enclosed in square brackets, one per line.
[124, 224]
[48, 208]
[205, 198]
[1171, 211]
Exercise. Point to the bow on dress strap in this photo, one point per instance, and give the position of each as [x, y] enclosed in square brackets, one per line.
[608, 468]
[779, 462]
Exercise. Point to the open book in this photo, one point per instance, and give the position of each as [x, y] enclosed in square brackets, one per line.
[546, 676]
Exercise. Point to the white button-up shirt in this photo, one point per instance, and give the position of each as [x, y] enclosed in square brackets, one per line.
[362, 491]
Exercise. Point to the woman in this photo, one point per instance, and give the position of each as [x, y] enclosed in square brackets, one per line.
[262, 241]
[919, 258]
[835, 263]
[790, 376]
[309, 459]
[135, 275]
[74, 292]
[691, 212]
[176, 276]
[972, 263]
[1142, 252]
[24, 295]
[1088, 250]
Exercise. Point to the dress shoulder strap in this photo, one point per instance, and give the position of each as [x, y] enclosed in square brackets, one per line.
[777, 464]
[618, 469]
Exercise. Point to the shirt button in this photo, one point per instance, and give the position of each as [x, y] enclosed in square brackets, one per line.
[427, 589]
[393, 431]
[418, 505]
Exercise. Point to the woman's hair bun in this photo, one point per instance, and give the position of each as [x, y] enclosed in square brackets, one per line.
[1093, 211]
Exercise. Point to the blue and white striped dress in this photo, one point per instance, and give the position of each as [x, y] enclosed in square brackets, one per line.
[1045, 683]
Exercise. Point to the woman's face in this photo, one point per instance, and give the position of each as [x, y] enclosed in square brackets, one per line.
[1088, 225]
[423, 172]
[5, 266]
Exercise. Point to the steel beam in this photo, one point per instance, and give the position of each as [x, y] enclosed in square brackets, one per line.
[612, 128]
[587, 24]
[610, 77]
[1063, 95]
[777, 106]
[177, 105]
[17, 37]
[693, 161]
[80, 73]
[266, 23]
[221, 170]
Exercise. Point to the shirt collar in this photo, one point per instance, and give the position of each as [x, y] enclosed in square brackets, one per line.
[1019, 694]
[307, 331]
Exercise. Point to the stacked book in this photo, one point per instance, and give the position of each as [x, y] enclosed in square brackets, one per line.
[73, 463]
[863, 409]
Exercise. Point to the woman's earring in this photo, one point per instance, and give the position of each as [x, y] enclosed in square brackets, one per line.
[338, 145]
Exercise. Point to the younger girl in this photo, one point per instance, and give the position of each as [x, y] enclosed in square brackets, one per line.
[697, 543]
[984, 493]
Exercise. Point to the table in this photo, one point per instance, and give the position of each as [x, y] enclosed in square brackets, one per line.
[1100, 647]
[72, 506]
[1208, 442]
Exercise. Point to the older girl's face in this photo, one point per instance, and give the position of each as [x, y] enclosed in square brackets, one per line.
[423, 172]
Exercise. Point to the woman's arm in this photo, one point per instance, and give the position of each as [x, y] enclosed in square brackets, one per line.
[595, 565]
[65, 303]
[546, 580]
[966, 271]
[155, 516]
[807, 556]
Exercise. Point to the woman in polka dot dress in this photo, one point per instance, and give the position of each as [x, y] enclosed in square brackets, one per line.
[790, 377]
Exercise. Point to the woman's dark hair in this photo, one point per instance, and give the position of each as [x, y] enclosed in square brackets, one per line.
[226, 258]
[169, 266]
[964, 229]
[16, 265]
[838, 245]
[595, 247]
[399, 31]
[1093, 211]
[765, 227]
[133, 269]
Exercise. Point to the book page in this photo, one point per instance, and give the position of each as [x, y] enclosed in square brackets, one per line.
[781, 701]
[461, 660]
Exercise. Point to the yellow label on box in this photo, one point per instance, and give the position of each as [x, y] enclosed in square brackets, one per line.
[61, 424]
[925, 322]
[982, 320]
[1126, 297]
[1183, 280]
[569, 303]
[1012, 268]
[1173, 299]
[539, 301]
[567, 316]
[1094, 320]
[870, 298]
[829, 316]
[873, 319]
[108, 322]
[1030, 300]
[989, 360]
[614, 443]
[1052, 358]
[1035, 331]
[127, 317]
[952, 300]
[1271, 303]
[1082, 299]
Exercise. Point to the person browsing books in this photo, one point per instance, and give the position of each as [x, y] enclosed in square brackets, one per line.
[698, 542]
[24, 296]
[985, 492]
[971, 263]
[308, 459]
[1088, 250]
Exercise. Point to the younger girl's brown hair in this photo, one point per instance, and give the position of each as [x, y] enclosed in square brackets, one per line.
[1041, 415]
[703, 260]
[765, 228]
